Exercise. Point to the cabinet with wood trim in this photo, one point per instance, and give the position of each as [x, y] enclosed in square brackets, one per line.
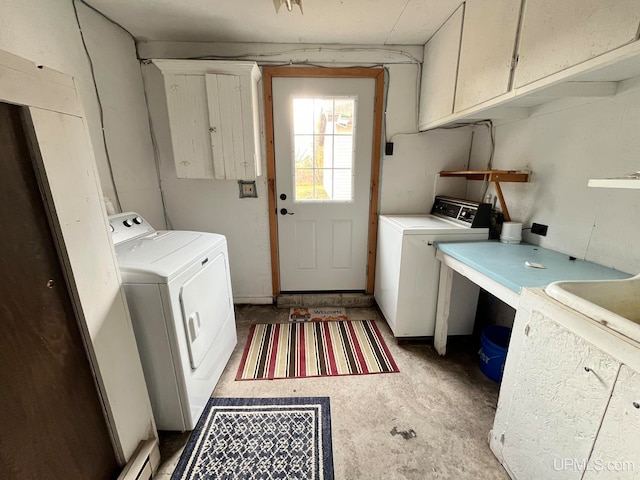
[440, 70]
[213, 109]
[486, 54]
[557, 35]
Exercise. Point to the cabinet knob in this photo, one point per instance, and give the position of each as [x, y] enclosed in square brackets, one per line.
[636, 404]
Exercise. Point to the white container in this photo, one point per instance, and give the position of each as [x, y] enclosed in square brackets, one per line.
[511, 232]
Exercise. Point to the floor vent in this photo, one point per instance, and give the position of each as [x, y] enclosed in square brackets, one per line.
[143, 463]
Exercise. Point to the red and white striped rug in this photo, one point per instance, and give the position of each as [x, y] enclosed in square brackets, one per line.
[295, 350]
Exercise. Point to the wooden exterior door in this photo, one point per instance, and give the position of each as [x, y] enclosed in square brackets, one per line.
[52, 423]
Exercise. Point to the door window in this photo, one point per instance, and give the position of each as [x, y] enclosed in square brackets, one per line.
[323, 148]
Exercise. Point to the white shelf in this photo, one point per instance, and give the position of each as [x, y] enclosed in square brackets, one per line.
[623, 182]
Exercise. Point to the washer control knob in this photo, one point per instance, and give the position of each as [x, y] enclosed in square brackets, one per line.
[128, 222]
[137, 220]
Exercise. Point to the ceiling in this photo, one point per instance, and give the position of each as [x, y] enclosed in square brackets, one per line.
[362, 22]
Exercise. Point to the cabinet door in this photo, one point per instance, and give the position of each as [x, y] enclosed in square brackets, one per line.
[440, 70]
[227, 138]
[486, 53]
[556, 35]
[617, 451]
[189, 122]
[562, 387]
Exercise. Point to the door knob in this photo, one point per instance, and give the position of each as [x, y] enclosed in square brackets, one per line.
[283, 211]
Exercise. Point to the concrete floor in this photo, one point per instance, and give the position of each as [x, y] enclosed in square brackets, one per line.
[430, 421]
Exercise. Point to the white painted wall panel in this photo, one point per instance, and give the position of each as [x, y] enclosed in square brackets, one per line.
[564, 149]
[410, 178]
[486, 52]
[126, 119]
[556, 35]
[76, 195]
[47, 34]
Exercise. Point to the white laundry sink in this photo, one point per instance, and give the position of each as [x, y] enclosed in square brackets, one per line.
[613, 303]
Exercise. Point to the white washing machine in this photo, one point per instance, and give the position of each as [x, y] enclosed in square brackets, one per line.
[407, 271]
[178, 289]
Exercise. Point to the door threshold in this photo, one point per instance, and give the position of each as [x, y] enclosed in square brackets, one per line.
[324, 299]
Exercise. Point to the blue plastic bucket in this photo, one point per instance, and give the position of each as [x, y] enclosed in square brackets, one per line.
[493, 352]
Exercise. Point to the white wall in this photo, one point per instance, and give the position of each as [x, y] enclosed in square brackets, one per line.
[46, 33]
[126, 119]
[564, 149]
[408, 177]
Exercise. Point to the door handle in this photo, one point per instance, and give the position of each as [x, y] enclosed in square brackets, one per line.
[283, 211]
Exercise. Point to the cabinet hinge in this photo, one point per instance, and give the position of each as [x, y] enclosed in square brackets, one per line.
[514, 62]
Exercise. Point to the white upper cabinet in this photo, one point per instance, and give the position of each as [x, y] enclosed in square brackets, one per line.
[487, 50]
[439, 70]
[214, 118]
[556, 35]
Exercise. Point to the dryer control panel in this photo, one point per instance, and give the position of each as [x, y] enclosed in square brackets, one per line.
[464, 212]
[128, 225]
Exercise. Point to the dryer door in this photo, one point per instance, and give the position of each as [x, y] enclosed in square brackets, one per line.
[206, 304]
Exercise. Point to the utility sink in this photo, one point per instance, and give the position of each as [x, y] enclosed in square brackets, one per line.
[613, 303]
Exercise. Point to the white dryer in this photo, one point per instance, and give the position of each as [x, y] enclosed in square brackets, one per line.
[178, 289]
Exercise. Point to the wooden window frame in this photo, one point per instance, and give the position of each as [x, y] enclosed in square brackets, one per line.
[268, 73]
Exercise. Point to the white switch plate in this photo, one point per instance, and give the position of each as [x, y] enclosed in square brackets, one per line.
[247, 189]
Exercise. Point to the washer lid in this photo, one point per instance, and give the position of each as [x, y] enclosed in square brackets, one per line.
[161, 256]
[422, 224]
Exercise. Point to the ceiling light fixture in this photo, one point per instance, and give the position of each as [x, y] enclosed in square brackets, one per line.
[289, 3]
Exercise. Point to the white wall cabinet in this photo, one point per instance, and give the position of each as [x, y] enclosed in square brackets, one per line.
[214, 118]
[556, 35]
[561, 390]
[486, 53]
[616, 453]
[440, 70]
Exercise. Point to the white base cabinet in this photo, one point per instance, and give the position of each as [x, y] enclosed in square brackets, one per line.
[566, 408]
[616, 453]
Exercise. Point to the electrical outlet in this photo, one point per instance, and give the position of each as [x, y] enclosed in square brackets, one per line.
[247, 189]
[539, 229]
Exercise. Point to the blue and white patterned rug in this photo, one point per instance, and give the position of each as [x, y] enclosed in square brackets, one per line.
[260, 438]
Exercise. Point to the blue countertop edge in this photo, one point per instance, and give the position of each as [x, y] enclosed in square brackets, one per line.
[539, 277]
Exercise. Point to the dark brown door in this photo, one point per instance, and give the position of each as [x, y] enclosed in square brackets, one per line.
[51, 421]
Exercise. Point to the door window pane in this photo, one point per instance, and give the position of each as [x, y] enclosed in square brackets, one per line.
[323, 131]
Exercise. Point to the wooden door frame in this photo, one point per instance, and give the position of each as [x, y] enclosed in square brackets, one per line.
[268, 73]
